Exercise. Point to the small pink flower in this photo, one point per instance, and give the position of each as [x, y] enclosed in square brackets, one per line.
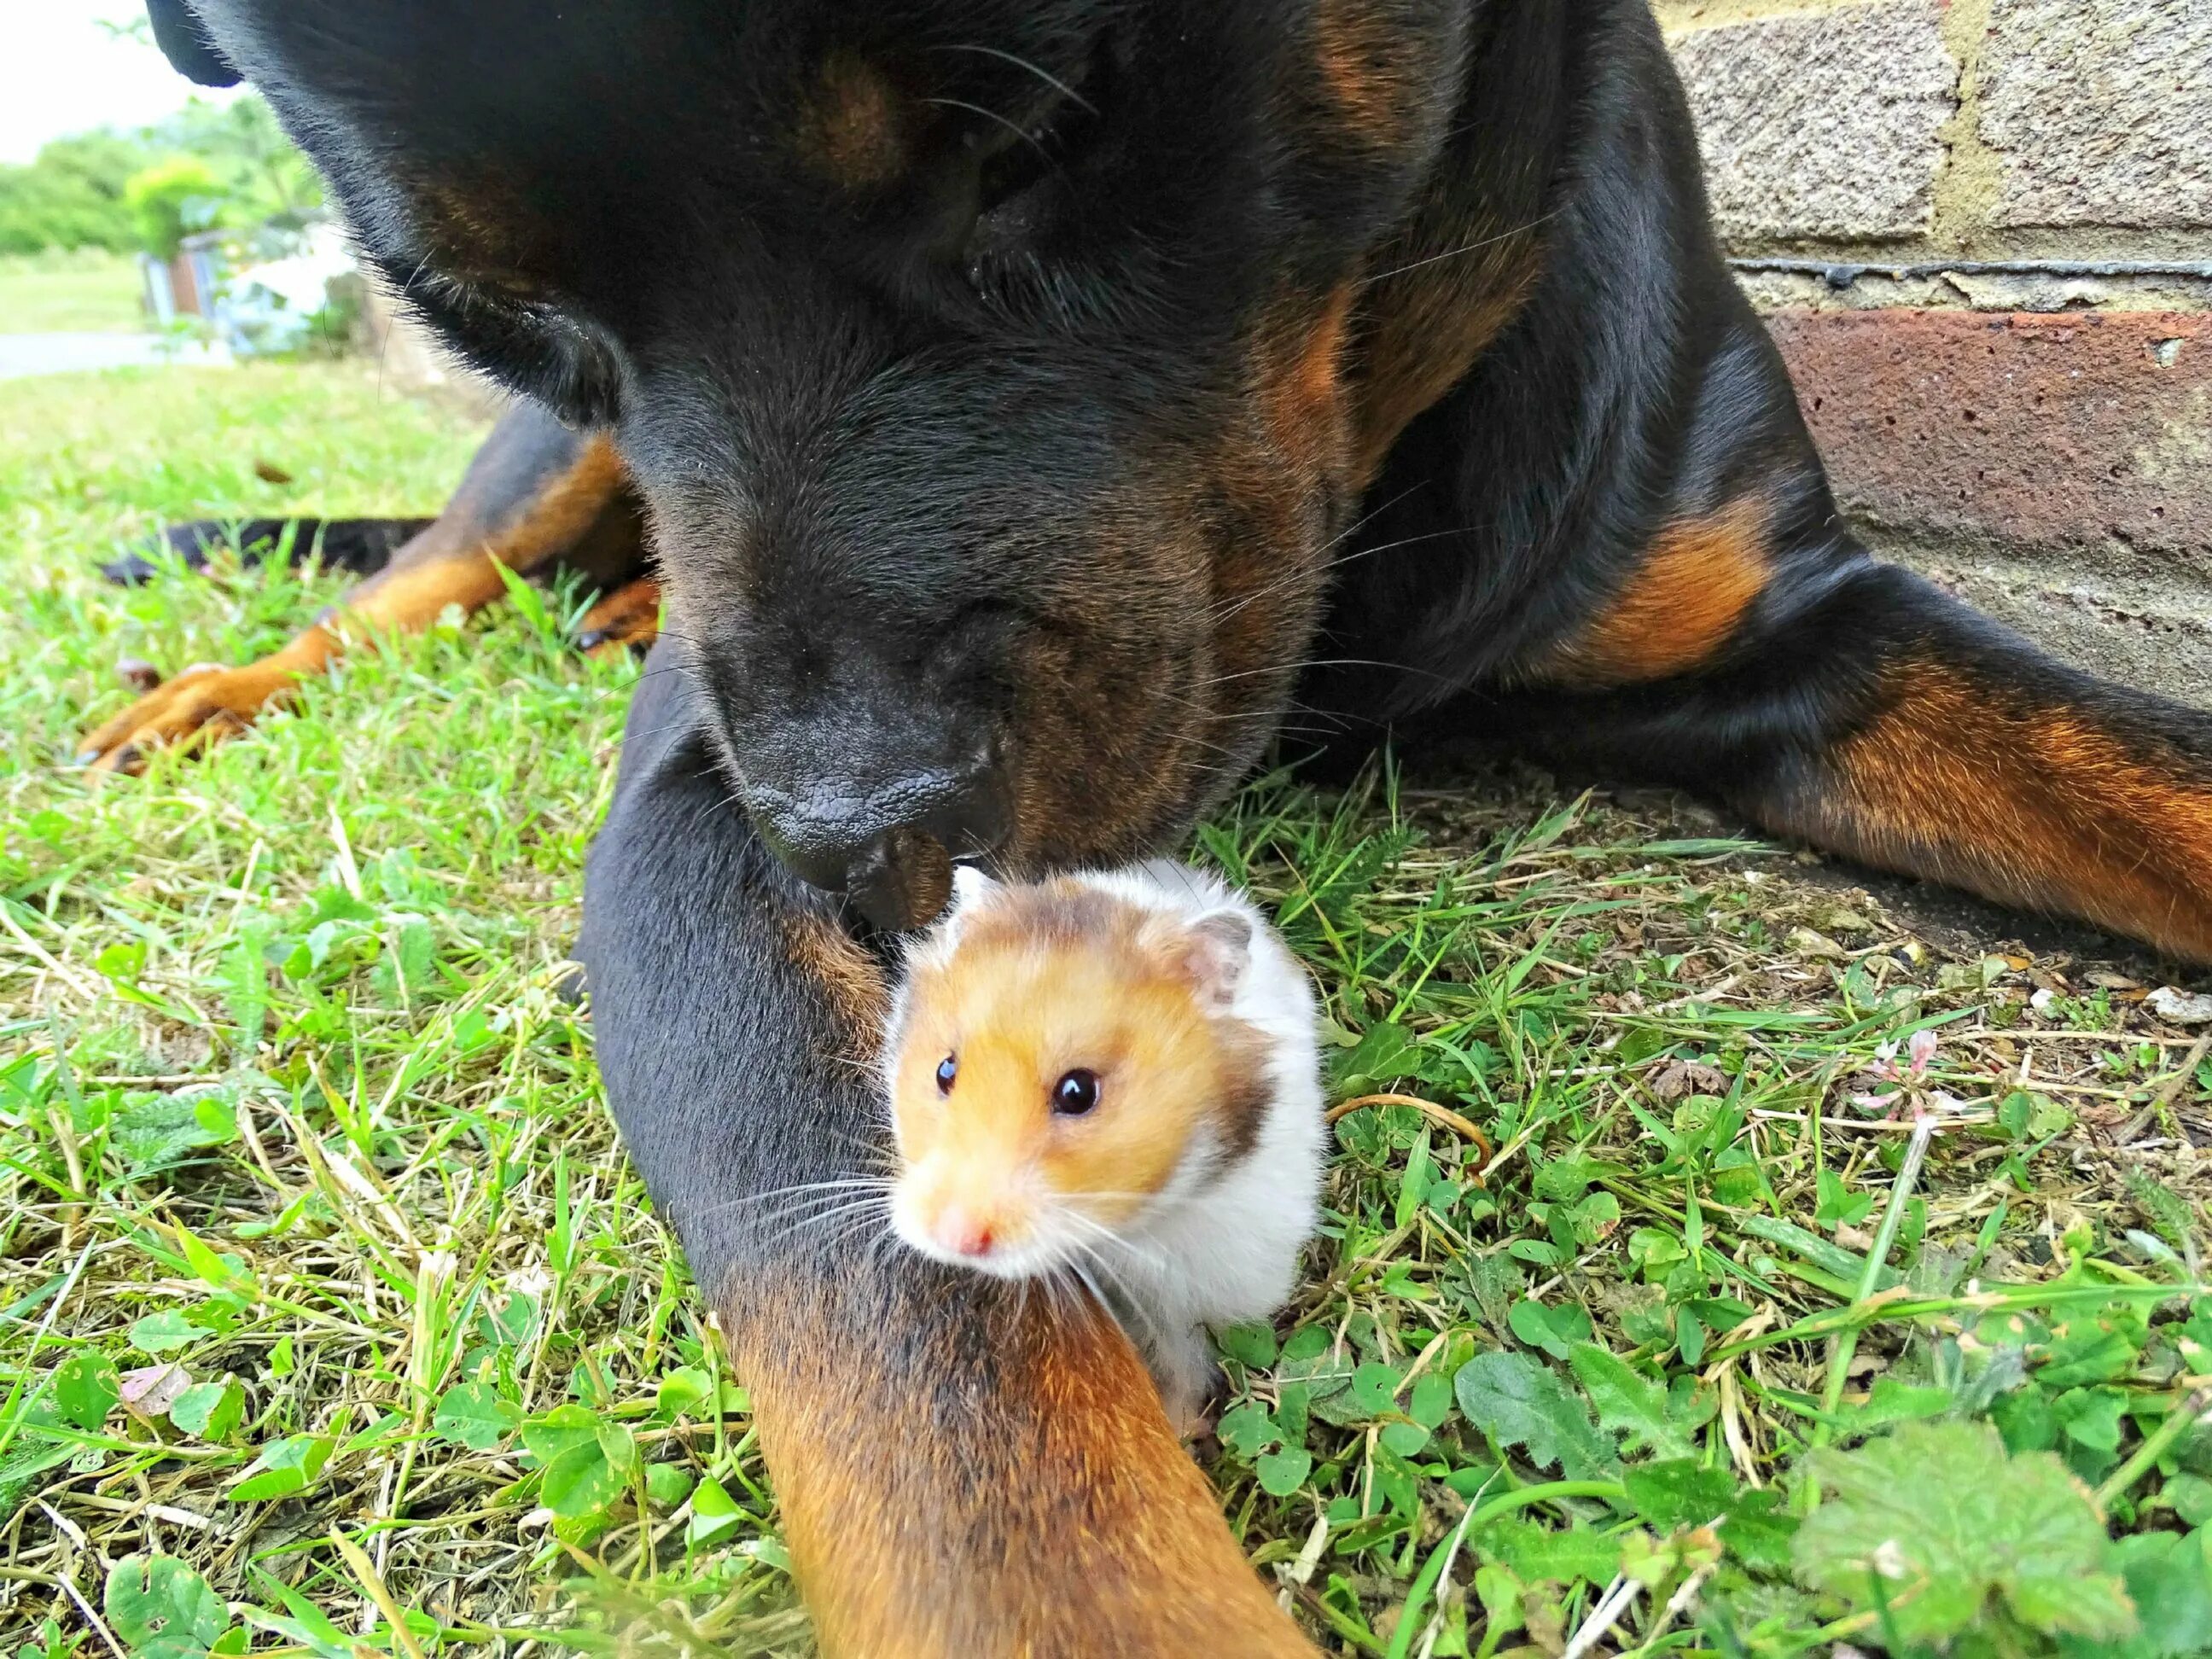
[1922, 1050]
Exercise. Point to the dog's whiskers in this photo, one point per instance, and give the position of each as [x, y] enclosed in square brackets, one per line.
[1016, 128]
[1330, 566]
[1464, 248]
[1050, 80]
[1324, 662]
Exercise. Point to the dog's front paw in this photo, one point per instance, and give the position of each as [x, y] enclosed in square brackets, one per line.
[204, 704]
[626, 619]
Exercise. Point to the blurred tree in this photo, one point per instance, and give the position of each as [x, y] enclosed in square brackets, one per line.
[262, 175]
[78, 192]
[172, 199]
[72, 196]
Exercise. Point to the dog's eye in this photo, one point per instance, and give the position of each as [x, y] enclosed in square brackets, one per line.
[1025, 174]
[1076, 1093]
[1039, 153]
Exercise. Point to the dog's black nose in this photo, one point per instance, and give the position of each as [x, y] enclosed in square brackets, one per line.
[886, 841]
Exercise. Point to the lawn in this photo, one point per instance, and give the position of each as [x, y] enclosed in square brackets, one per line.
[69, 292]
[1700, 1231]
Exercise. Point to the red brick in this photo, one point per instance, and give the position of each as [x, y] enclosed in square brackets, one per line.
[2064, 432]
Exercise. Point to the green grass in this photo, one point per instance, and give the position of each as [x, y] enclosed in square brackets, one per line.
[62, 293]
[288, 1100]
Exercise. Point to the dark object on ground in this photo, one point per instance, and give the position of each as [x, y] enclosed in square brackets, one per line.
[363, 546]
[1037, 404]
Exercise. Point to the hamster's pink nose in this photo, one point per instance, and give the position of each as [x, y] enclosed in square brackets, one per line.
[963, 1233]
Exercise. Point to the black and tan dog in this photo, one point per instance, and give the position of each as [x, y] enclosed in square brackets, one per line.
[1027, 402]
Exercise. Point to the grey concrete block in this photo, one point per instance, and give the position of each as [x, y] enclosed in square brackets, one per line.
[2154, 632]
[2099, 113]
[1822, 126]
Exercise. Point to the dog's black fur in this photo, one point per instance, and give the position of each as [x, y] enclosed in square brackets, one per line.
[1034, 400]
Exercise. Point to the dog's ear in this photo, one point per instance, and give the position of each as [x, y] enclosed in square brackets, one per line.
[183, 41]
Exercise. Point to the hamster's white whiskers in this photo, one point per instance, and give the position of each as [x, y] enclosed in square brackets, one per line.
[874, 1231]
[877, 1183]
[1106, 1303]
[821, 1214]
[1054, 1290]
[858, 1227]
[822, 1218]
[884, 1237]
[1149, 1258]
[1081, 1264]
[878, 1154]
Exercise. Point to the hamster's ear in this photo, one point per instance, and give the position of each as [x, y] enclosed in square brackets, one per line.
[183, 41]
[1217, 950]
[934, 946]
[971, 884]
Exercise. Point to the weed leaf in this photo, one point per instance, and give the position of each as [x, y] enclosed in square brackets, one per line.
[473, 1414]
[1246, 1429]
[285, 1468]
[586, 1460]
[153, 1132]
[1537, 1555]
[1518, 1402]
[163, 1609]
[1367, 1395]
[306, 1626]
[209, 1411]
[1555, 1330]
[1838, 1205]
[714, 1513]
[1954, 1527]
[1282, 1472]
[1679, 1492]
[1628, 1403]
[1251, 1345]
[1891, 1401]
[667, 1485]
[1758, 1532]
[1431, 1401]
[86, 1389]
[157, 1334]
[2169, 1577]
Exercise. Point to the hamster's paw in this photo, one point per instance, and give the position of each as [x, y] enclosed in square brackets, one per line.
[1191, 1385]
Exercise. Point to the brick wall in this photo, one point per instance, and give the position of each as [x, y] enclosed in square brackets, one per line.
[1981, 231]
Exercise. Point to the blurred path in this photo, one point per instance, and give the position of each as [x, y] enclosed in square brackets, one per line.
[59, 354]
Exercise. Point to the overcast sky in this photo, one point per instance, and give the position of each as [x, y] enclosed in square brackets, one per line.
[61, 72]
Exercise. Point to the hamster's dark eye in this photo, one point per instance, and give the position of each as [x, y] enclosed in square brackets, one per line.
[947, 1069]
[1076, 1093]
